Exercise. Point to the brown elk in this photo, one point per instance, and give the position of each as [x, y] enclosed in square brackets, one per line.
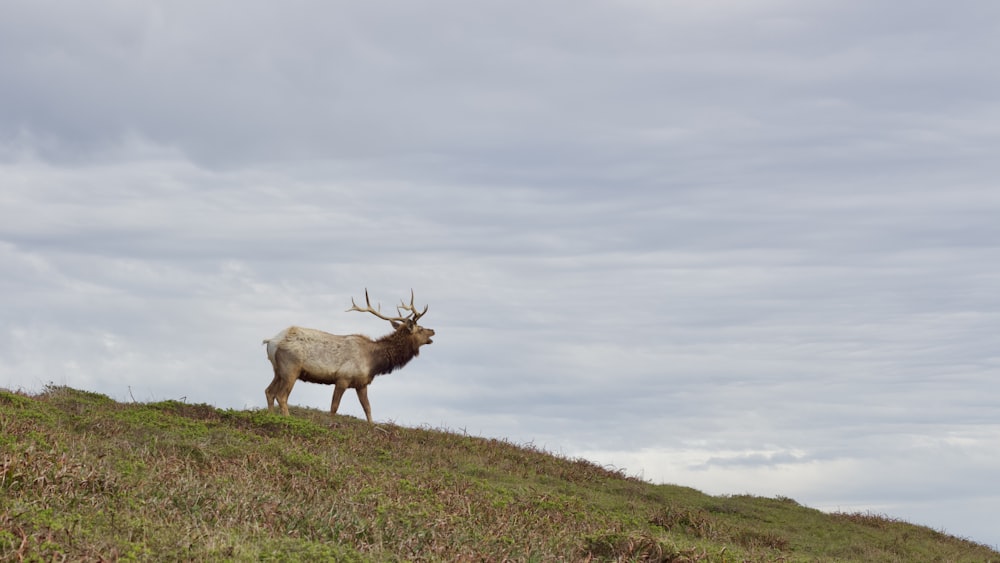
[345, 362]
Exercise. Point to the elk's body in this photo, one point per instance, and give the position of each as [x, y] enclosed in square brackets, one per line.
[346, 362]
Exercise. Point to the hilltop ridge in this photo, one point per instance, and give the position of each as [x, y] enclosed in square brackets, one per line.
[84, 477]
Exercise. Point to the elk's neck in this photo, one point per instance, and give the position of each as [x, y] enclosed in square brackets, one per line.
[392, 352]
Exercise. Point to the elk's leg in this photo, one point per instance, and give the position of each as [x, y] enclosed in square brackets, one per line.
[272, 392]
[363, 397]
[284, 389]
[338, 393]
[283, 394]
[286, 371]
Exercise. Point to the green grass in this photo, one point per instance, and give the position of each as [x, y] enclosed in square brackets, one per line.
[83, 477]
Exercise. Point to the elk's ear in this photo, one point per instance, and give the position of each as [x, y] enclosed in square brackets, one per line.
[396, 325]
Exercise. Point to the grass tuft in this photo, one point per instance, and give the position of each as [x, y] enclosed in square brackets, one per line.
[626, 547]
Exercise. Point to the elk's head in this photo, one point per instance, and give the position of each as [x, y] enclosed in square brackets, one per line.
[401, 322]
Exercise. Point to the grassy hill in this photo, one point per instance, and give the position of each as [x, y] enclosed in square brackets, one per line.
[86, 478]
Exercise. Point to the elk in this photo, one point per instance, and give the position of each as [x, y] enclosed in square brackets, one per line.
[346, 362]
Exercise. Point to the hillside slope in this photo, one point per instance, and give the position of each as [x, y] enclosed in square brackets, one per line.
[86, 478]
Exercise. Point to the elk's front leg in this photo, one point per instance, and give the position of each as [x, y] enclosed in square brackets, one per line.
[363, 397]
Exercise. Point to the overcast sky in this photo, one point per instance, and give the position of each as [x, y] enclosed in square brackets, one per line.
[747, 246]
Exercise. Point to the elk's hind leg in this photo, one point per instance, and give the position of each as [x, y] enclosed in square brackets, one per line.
[286, 390]
[286, 371]
[338, 393]
[271, 393]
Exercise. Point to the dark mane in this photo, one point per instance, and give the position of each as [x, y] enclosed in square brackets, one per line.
[393, 351]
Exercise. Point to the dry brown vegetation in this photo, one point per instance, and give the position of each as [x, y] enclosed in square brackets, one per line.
[83, 477]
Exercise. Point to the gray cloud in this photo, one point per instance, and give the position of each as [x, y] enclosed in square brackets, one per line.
[742, 246]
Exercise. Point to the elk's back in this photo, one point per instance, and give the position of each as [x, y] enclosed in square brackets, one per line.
[324, 357]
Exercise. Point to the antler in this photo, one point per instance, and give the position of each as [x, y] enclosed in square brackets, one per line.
[412, 317]
[376, 312]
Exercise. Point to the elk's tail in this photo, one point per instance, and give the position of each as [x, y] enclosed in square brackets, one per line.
[272, 347]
